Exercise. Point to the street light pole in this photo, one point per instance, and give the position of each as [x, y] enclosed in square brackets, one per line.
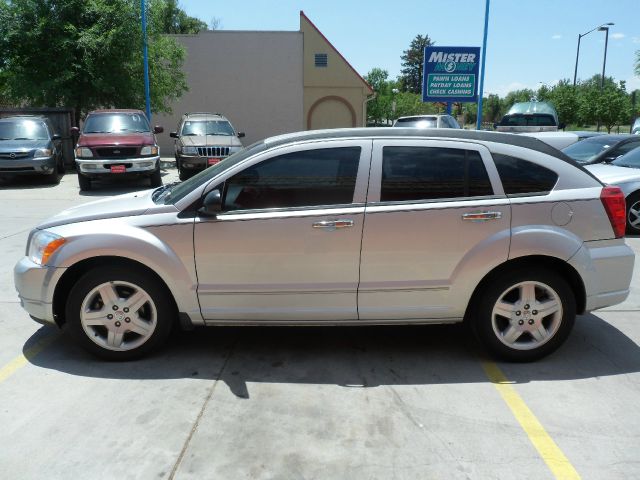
[580, 35]
[604, 61]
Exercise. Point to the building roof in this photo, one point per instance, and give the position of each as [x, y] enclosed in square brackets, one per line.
[336, 50]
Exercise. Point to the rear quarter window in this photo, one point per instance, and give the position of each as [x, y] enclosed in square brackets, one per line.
[522, 177]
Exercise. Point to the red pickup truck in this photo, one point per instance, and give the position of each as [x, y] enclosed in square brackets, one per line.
[116, 144]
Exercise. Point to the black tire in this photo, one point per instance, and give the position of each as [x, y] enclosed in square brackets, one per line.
[633, 213]
[52, 178]
[84, 182]
[183, 175]
[158, 313]
[493, 333]
[156, 178]
[60, 166]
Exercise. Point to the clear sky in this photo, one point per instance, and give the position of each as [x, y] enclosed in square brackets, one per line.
[530, 41]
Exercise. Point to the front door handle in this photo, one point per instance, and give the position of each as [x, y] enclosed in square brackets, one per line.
[333, 224]
[481, 216]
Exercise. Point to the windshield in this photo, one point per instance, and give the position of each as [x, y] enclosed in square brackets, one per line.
[588, 149]
[522, 120]
[630, 159]
[429, 122]
[23, 130]
[170, 194]
[116, 123]
[207, 127]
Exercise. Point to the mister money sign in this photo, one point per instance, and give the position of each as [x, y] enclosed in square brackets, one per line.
[450, 74]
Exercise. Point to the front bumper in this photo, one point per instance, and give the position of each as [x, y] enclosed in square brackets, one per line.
[35, 285]
[102, 167]
[606, 267]
[28, 166]
[195, 162]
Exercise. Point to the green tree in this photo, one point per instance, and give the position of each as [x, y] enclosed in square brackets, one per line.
[85, 54]
[413, 64]
[564, 97]
[171, 18]
[611, 105]
[516, 96]
[492, 108]
[380, 107]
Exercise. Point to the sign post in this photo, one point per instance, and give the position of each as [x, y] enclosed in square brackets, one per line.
[450, 74]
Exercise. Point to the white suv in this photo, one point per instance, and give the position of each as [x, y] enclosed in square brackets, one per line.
[342, 227]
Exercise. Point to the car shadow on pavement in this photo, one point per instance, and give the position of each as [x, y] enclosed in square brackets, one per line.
[353, 357]
[25, 182]
[103, 188]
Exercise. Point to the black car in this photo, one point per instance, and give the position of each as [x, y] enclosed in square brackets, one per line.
[29, 146]
[602, 148]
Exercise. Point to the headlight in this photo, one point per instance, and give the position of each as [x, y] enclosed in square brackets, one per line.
[42, 152]
[83, 152]
[43, 244]
[189, 150]
[149, 150]
[234, 149]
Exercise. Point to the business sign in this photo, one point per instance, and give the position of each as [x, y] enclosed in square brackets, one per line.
[450, 74]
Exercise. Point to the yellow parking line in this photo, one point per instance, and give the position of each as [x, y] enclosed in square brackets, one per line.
[547, 448]
[21, 360]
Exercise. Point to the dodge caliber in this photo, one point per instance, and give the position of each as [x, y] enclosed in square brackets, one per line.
[341, 227]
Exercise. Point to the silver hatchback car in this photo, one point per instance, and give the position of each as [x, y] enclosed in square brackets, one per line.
[342, 227]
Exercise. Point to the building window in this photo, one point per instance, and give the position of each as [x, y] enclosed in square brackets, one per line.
[321, 59]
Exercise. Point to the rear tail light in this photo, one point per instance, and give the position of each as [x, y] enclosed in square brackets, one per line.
[613, 201]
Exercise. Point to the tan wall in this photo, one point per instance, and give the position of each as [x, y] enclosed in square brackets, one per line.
[334, 95]
[253, 78]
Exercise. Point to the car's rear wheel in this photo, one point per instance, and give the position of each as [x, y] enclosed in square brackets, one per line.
[156, 178]
[119, 314]
[525, 315]
[633, 214]
[84, 182]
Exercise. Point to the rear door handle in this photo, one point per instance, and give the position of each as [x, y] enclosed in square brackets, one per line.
[481, 216]
[333, 224]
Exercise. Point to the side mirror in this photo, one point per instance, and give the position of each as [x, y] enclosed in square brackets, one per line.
[75, 131]
[562, 126]
[158, 129]
[212, 204]
[56, 136]
[240, 134]
[174, 135]
[495, 125]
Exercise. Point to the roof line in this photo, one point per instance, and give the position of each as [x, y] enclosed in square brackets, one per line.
[302, 14]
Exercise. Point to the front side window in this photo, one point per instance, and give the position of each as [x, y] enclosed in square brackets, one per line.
[521, 177]
[299, 179]
[116, 123]
[428, 173]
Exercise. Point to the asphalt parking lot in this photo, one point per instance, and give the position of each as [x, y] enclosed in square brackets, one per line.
[313, 403]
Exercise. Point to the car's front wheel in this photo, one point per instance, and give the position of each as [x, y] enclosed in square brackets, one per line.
[84, 182]
[525, 315]
[118, 313]
[156, 178]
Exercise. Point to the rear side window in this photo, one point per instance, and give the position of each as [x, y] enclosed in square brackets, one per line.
[428, 173]
[300, 179]
[521, 177]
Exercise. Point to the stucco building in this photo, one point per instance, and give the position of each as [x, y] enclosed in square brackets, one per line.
[268, 82]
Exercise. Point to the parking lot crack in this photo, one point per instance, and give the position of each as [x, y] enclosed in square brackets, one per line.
[208, 397]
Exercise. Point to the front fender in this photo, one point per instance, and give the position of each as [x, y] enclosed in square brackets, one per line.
[165, 249]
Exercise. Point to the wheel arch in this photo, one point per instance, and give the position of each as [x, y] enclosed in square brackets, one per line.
[74, 272]
[539, 261]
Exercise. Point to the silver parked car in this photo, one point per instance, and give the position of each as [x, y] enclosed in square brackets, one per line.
[341, 227]
[624, 172]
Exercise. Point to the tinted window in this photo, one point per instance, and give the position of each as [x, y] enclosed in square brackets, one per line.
[522, 177]
[625, 148]
[534, 120]
[427, 173]
[631, 159]
[300, 179]
[586, 150]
